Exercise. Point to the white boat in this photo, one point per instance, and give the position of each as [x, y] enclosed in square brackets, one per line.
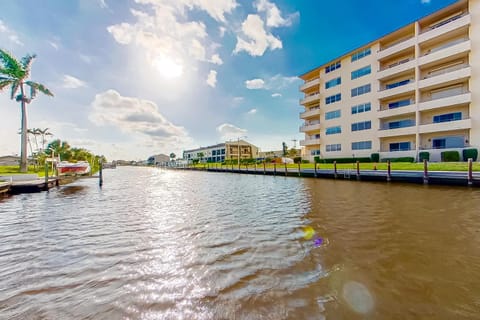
[73, 168]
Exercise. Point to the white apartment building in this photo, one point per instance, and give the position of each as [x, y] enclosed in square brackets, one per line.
[229, 150]
[415, 89]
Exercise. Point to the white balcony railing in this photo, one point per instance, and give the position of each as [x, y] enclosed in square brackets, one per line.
[465, 123]
[310, 98]
[445, 77]
[310, 142]
[310, 83]
[310, 113]
[444, 27]
[449, 101]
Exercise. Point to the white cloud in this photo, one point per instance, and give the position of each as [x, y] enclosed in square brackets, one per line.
[166, 33]
[258, 39]
[252, 111]
[103, 4]
[255, 84]
[230, 132]
[222, 31]
[133, 115]
[71, 82]
[85, 58]
[212, 78]
[276, 95]
[278, 82]
[10, 34]
[53, 44]
[238, 100]
[216, 59]
[274, 16]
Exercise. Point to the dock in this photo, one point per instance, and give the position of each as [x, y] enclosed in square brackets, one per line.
[451, 178]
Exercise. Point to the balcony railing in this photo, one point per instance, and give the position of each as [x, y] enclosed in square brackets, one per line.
[444, 22]
[397, 125]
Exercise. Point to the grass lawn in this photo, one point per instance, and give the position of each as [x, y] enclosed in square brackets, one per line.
[11, 170]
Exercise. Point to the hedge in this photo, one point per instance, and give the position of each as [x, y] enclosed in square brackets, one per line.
[297, 160]
[345, 160]
[470, 153]
[450, 156]
[424, 155]
[399, 159]
[375, 157]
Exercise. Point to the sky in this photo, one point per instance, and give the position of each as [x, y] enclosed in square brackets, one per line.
[135, 78]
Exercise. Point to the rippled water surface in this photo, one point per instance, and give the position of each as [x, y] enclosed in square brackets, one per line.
[155, 244]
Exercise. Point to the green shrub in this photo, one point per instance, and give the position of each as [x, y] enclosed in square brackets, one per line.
[375, 157]
[297, 160]
[305, 161]
[470, 153]
[268, 159]
[399, 159]
[316, 159]
[450, 156]
[424, 155]
[346, 160]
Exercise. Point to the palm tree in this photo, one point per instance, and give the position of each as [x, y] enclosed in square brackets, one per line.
[44, 133]
[14, 73]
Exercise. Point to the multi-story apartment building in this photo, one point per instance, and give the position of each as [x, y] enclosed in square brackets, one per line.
[223, 151]
[415, 89]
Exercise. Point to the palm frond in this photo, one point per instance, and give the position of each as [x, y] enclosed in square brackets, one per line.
[15, 86]
[5, 83]
[40, 87]
[27, 62]
[11, 66]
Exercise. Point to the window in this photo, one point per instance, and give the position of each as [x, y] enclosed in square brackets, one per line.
[360, 54]
[223, 151]
[334, 147]
[361, 90]
[365, 125]
[364, 107]
[214, 152]
[448, 142]
[447, 117]
[333, 66]
[398, 104]
[361, 72]
[333, 130]
[400, 124]
[334, 98]
[332, 115]
[400, 146]
[315, 152]
[333, 83]
[397, 84]
[362, 145]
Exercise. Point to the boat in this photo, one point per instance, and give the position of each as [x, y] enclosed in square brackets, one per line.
[5, 186]
[73, 168]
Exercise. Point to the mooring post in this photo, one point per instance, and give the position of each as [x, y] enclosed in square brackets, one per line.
[100, 173]
[358, 170]
[470, 173]
[425, 171]
[275, 169]
[299, 173]
[46, 176]
[388, 171]
[315, 169]
[285, 168]
[335, 169]
[264, 168]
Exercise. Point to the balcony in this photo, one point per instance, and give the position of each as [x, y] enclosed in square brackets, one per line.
[447, 52]
[310, 98]
[310, 113]
[446, 77]
[399, 67]
[446, 126]
[309, 142]
[407, 128]
[451, 101]
[309, 84]
[310, 127]
[387, 113]
[446, 26]
[382, 94]
[397, 47]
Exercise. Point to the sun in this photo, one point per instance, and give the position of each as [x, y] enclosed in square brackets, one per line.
[168, 68]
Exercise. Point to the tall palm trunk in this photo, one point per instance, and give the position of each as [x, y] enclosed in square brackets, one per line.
[23, 154]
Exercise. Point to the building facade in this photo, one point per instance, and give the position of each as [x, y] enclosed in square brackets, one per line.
[159, 160]
[415, 89]
[223, 151]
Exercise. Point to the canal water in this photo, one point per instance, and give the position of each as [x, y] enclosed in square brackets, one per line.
[156, 244]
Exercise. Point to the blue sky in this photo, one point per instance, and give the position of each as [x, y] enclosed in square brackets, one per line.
[140, 77]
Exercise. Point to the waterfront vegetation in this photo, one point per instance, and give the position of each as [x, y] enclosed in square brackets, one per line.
[415, 166]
